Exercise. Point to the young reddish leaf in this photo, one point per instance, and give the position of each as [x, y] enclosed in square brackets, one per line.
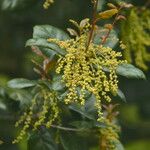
[108, 26]
[121, 17]
[107, 14]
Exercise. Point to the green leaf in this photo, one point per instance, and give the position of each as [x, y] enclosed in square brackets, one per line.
[130, 71]
[62, 95]
[42, 83]
[41, 140]
[20, 83]
[6, 102]
[42, 44]
[111, 41]
[22, 96]
[72, 141]
[42, 33]
[2, 92]
[48, 31]
[82, 124]
[47, 48]
[15, 4]
[2, 105]
[88, 110]
[100, 5]
[121, 95]
[57, 84]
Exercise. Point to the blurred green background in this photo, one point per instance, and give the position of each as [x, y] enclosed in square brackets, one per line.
[16, 28]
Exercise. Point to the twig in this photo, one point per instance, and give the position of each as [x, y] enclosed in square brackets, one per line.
[68, 129]
[93, 24]
[113, 24]
[53, 126]
[103, 144]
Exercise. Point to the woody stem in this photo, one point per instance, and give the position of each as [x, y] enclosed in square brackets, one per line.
[93, 23]
[109, 30]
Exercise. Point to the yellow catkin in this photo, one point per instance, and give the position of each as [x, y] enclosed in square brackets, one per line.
[135, 35]
[110, 135]
[47, 3]
[26, 120]
[84, 68]
[48, 113]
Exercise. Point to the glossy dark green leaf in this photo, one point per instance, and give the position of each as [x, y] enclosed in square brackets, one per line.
[62, 95]
[88, 110]
[2, 105]
[82, 124]
[44, 83]
[85, 125]
[22, 96]
[47, 48]
[15, 4]
[111, 41]
[72, 141]
[41, 140]
[130, 71]
[42, 33]
[57, 83]
[121, 95]
[48, 31]
[20, 83]
[6, 102]
[100, 5]
[2, 92]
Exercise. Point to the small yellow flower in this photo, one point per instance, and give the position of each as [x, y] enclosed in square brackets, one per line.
[110, 133]
[47, 3]
[47, 114]
[84, 68]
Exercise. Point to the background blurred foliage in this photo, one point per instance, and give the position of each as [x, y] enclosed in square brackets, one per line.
[16, 25]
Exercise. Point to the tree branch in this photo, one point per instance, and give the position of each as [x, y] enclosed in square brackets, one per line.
[93, 23]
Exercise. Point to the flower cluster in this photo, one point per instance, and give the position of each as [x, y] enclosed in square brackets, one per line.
[37, 116]
[92, 70]
[135, 35]
[110, 135]
[47, 3]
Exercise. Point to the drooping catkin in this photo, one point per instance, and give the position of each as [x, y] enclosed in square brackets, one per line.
[84, 68]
